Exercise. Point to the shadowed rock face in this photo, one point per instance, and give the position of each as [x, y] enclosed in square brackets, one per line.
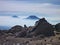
[57, 26]
[43, 27]
[19, 31]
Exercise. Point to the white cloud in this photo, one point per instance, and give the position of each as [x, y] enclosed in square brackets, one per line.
[44, 8]
[50, 11]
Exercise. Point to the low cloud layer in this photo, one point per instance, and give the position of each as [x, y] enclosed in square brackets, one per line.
[48, 9]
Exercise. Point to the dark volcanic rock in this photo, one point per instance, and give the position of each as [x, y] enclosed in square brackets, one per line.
[16, 28]
[57, 27]
[21, 33]
[43, 27]
[18, 31]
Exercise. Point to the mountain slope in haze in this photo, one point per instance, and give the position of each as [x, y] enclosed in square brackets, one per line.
[4, 27]
[15, 16]
[33, 17]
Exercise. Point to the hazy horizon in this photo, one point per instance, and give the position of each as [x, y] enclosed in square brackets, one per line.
[49, 9]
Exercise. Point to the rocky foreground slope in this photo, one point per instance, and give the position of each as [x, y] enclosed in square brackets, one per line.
[43, 33]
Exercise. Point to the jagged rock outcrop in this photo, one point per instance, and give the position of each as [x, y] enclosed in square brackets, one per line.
[24, 32]
[18, 31]
[16, 28]
[57, 27]
[42, 28]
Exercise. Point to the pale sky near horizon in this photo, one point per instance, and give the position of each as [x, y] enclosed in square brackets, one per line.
[51, 7]
[43, 8]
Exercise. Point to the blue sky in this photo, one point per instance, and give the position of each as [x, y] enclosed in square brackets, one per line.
[39, 1]
[43, 1]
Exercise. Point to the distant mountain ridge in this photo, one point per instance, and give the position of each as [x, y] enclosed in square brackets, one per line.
[15, 16]
[4, 27]
[33, 17]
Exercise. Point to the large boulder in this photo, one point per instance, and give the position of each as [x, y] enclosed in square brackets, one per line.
[42, 28]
